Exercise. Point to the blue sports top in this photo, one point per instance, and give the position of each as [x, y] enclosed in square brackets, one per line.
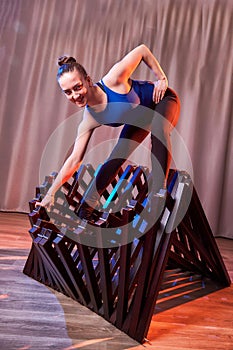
[119, 105]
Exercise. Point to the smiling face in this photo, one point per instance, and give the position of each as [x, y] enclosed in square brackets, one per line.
[75, 87]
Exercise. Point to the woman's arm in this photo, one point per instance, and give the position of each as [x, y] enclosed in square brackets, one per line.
[73, 162]
[121, 72]
[123, 69]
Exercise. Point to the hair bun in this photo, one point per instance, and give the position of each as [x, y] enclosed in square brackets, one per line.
[65, 60]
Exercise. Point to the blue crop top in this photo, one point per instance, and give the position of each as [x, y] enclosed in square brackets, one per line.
[119, 105]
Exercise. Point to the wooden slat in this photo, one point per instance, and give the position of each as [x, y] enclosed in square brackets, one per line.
[90, 277]
[72, 270]
[124, 276]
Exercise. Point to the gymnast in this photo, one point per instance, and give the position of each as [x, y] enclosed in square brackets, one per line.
[97, 101]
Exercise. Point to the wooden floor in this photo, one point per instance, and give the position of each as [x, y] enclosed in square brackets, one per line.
[199, 316]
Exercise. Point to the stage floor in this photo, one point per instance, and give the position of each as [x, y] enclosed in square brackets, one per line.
[198, 316]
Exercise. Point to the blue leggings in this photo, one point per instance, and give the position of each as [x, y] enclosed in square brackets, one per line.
[159, 125]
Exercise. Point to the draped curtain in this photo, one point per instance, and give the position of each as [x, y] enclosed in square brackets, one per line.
[192, 41]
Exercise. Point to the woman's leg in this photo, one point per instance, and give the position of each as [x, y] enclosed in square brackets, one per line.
[130, 137]
[161, 127]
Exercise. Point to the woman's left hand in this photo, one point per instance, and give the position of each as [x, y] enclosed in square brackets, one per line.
[160, 87]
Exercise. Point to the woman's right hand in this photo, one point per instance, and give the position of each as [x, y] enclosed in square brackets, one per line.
[47, 202]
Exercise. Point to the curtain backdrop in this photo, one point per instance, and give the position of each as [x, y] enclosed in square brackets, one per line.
[191, 39]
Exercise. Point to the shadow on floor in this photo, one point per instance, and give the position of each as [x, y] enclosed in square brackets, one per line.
[180, 287]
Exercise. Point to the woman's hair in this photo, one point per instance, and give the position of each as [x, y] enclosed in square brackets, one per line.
[69, 64]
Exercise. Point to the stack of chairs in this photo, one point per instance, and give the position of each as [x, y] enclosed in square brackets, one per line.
[115, 266]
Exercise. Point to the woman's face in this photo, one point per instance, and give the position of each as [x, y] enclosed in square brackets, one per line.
[75, 87]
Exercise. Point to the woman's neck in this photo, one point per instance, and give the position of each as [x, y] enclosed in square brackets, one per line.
[97, 97]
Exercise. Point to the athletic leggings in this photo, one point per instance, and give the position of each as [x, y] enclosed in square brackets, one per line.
[160, 125]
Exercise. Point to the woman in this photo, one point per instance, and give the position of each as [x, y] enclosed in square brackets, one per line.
[117, 86]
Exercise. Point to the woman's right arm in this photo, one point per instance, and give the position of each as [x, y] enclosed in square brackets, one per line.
[73, 162]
